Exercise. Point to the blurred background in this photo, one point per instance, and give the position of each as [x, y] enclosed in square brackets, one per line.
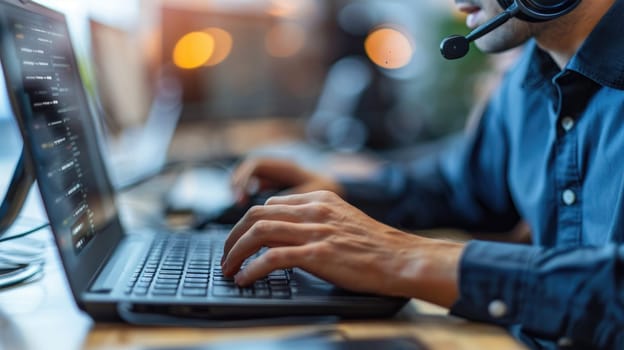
[236, 75]
[339, 86]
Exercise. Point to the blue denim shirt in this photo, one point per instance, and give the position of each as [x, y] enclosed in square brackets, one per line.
[549, 148]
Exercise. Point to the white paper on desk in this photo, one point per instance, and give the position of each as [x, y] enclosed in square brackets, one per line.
[202, 190]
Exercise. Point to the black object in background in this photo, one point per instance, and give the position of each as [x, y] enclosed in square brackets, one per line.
[234, 212]
[312, 343]
[23, 178]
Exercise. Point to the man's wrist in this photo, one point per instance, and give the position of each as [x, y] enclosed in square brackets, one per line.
[433, 272]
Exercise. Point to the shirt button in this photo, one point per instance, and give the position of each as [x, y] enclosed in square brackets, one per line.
[569, 197]
[567, 123]
[565, 342]
[497, 309]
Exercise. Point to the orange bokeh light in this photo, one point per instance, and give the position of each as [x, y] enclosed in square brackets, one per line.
[283, 8]
[223, 45]
[285, 40]
[389, 48]
[193, 50]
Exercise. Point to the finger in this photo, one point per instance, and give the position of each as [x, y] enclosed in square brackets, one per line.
[267, 234]
[269, 171]
[305, 188]
[255, 186]
[302, 198]
[274, 259]
[257, 213]
[241, 178]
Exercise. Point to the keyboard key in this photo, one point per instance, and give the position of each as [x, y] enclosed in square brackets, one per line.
[195, 280]
[167, 292]
[195, 292]
[222, 278]
[167, 282]
[169, 272]
[262, 293]
[140, 291]
[222, 291]
[247, 292]
[281, 293]
[224, 283]
[196, 270]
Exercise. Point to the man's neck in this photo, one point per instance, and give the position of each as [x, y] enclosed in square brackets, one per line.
[563, 37]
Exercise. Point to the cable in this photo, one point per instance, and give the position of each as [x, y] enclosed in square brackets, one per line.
[25, 233]
[20, 268]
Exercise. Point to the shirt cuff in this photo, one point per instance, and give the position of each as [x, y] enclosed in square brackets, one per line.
[493, 282]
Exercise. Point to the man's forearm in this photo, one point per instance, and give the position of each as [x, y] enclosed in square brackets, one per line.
[430, 272]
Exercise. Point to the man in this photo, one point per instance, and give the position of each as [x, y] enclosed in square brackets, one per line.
[548, 149]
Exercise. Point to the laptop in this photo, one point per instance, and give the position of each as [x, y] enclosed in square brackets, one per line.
[141, 277]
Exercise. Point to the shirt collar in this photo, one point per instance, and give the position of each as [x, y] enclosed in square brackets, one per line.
[538, 65]
[600, 58]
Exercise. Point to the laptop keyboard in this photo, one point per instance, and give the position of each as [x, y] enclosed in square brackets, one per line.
[190, 267]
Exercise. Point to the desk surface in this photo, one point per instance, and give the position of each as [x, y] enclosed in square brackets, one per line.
[42, 315]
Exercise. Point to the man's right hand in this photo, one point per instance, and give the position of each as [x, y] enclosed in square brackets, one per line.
[262, 174]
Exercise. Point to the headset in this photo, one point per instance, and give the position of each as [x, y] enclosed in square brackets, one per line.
[457, 46]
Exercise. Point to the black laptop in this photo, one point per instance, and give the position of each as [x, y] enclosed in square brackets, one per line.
[142, 277]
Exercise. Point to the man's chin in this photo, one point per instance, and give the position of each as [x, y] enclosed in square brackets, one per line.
[489, 46]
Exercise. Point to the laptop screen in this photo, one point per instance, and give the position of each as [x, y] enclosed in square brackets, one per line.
[50, 102]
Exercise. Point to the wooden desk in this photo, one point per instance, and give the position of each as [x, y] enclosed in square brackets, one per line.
[42, 315]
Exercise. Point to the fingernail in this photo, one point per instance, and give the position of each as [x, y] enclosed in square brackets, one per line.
[238, 278]
[253, 186]
[239, 196]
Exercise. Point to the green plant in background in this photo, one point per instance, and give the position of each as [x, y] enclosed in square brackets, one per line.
[455, 90]
[437, 99]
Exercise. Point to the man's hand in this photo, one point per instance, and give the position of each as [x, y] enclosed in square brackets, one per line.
[254, 175]
[324, 235]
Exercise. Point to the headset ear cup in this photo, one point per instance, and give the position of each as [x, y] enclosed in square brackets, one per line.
[507, 3]
[541, 10]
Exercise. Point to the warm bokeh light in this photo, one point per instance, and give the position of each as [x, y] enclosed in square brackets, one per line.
[285, 40]
[283, 8]
[223, 45]
[292, 9]
[193, 50]
[389, 48]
